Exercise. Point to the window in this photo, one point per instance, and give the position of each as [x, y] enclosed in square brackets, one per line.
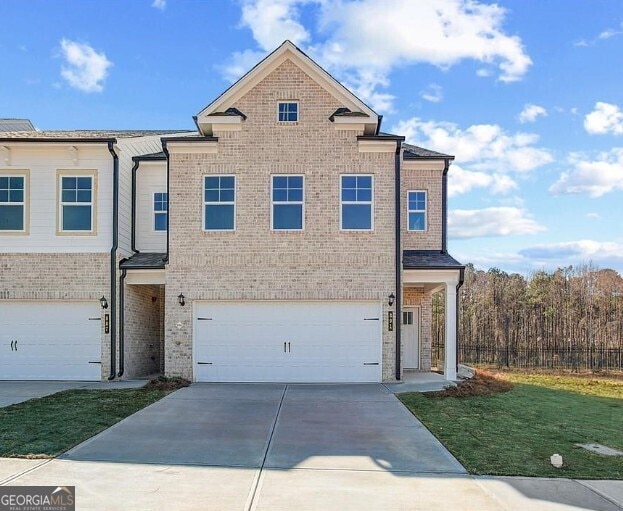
[219, 203]
[161, 211]
[356, 203]
[417, 210]
[76, 205]
[287, 203]
[12, 203]
[288, 112]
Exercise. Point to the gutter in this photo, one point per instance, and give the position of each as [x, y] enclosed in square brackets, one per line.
[121, 323]
[398, 256]
[444, 207]
[458, 287]
[165, 150]
[134, 169]
[113, 262]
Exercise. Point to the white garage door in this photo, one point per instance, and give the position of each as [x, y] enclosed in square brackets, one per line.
[287, 341]
[49, 340]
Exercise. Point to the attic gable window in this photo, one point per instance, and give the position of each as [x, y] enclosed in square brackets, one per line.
[288, 112]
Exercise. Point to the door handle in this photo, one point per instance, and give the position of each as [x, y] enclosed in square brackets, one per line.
[284, 346]
[289, 350]
[12, 345]
[15, 345]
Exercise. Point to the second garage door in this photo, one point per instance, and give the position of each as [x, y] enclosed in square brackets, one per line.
[287, 341]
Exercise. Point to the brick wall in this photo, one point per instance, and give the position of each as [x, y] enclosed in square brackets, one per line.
[429, 180]
[417, 296]
[142, 330]
[255, 263]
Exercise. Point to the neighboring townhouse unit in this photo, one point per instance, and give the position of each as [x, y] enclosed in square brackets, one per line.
[288, 239]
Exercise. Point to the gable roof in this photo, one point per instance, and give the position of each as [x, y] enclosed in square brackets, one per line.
[287, 51]
[429, 260]
[415, 152]
[16, 125]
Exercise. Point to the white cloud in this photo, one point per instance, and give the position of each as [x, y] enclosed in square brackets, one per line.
[608, 33]
[462, 181]
[531, 112]
[490, 222]
[159, 4]
[594, 177]
[593, 216]
[85, 69]
[432, 93]
[604, 253]
[605, 118]
[240, 63]
[485, 147]
[361, 41]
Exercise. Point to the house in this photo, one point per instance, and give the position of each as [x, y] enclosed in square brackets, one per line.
[287, 239]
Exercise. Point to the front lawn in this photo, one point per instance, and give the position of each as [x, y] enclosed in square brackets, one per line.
[516, 432]
[53, 424]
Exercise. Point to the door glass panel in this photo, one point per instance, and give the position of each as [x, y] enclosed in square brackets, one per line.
[407, 318]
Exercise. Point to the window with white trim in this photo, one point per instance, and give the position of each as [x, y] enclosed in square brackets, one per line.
[356, 202]
[161, 211]
[288, 111]
[416, 204]
[76, 204]
[13, 203]
[288, 203]
[219, 209]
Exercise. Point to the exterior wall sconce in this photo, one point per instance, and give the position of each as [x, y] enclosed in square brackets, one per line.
[391, 299]
[104, 302]
[181, 299]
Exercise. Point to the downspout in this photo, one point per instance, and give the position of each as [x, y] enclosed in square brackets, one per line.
[458, 301]
[444, 207]
[121, 322]
[166, 152]
[398, 261]
[134, 169]
[113, 262]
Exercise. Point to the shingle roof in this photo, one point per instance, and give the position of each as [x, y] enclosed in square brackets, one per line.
[150, 156]
[144, 261]
[428, 260]
[346, 112]
[87, 134]
[413, 151]
[16, 125]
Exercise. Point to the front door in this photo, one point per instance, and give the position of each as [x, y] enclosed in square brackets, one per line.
[410, 333]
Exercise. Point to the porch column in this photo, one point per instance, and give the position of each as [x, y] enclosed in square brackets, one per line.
[449, 366]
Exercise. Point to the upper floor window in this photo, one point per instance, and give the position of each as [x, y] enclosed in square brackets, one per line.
[288, 112]
[219, 196]
[357, 205]
[13, 203]
[417, 210]
[287, 203]
[161, 211]
[76, 203]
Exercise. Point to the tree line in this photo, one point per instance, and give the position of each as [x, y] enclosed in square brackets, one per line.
[570, 318]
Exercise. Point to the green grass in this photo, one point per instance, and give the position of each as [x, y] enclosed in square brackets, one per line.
[515, 433]
[50, 425]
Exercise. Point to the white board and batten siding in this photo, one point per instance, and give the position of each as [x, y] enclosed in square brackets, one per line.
[305, 342]
[50, 340]
[151, 178]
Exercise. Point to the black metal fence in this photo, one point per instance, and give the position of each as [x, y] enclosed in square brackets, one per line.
[570, 358]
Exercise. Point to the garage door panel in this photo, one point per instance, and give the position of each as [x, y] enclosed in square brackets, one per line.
[54, 340]
[325, 341]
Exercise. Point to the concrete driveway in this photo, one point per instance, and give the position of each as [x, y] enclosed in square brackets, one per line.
[277, 447]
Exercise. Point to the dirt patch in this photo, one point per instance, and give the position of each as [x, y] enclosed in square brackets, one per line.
[31, 456]
[581, 373]
[167, 384]
[483, 384]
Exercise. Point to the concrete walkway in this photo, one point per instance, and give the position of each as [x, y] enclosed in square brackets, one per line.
[13, 392]
[276, 447]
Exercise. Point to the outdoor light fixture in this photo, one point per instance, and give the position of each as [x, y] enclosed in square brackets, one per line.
[104, 302]
[391, 300]
[181, 300]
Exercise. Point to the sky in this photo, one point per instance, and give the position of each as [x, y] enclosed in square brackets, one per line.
[527, 95]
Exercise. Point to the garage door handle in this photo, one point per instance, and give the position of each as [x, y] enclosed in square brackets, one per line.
[370, 363]
[15, 345]
[370, 319]
[94, 362]
[14, 341]
[204, 363]
[95, 319]
[284, 347]
[204, 319]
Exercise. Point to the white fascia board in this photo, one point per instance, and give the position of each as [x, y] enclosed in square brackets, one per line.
[451, 276]
[202, 147]
[377, 146]
[423, 164]
[148, 277]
